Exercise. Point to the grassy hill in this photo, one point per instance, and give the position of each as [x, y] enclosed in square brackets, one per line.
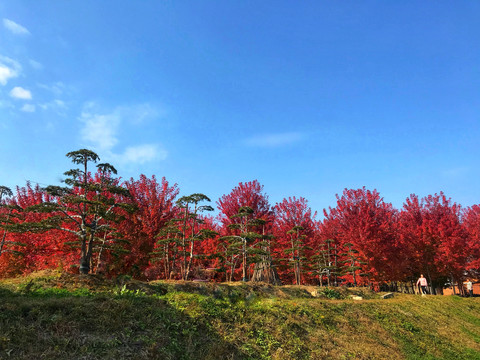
[50, 315]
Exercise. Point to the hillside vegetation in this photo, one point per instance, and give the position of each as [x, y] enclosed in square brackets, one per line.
[51, 315]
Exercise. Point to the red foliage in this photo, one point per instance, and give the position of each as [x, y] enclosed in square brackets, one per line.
[155, 207]
[433, 237]
[289, 214]
[249, 194]
[42, 250]
[364, 220]
[471, 221]
[443, 229]
[430, 235]
[245, 194]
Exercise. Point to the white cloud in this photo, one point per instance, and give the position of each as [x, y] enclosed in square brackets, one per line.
[15, 28]
[9, 68]
[21, 93]
[28, 108]
[102, 132]
[274, 140]
[5, 74]
[141, 154]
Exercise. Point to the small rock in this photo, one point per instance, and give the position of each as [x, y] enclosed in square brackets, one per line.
[387, 296]
[355, 297]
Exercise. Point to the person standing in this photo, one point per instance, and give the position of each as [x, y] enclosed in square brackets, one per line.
[470, 287]
[422, 282]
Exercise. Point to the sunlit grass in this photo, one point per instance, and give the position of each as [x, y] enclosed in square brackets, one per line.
[64, 317]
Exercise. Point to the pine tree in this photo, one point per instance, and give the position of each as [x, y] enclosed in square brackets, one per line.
[265, 270]
[245, 238]
[325, 262]
[86, 207]
[353, 262]
[177, 240]
[296, 251]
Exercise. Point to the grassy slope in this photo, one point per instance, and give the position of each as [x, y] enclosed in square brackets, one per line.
[53, 316]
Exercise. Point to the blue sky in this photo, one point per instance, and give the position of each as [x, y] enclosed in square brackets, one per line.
[308, 97]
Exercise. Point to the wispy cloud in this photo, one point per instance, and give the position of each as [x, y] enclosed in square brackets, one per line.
[15, 28]
[56, 89]
[9, 68]
[455, 172]
[102, 131]
[28, 108]
[138, 113]
[35, 64]
[56, 105]
[20, 93]
[274, 140]
[6, 104]
[141, 154]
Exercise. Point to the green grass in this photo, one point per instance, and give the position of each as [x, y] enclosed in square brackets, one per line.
[59, 316]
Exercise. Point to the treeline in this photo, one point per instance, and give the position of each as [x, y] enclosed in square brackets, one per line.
[144, 228]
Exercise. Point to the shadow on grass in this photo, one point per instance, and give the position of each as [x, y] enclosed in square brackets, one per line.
[104, 327]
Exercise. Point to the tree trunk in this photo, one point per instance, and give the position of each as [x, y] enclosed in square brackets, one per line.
[174, 261]
[166, 261]
[336, 278]
[184, 244]
[189, 265]
[297, 272]
[264, 272]
[328, 262]
[430, 283]
[99, 257]
[84, 261]
[233, 264]
[353, 274]
[244, 260]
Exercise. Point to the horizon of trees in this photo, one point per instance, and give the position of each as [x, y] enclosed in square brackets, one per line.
[142, 228]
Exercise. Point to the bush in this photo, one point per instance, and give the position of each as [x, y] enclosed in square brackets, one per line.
[332, 293]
